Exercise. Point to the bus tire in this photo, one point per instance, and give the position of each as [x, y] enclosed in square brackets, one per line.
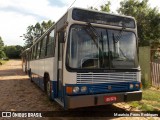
[47, 88]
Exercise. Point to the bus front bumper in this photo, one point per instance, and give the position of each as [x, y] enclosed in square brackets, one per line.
[101, 99]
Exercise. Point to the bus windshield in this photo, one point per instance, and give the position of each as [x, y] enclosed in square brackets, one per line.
[102, 48]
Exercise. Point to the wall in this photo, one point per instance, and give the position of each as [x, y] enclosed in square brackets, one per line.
[144, 60]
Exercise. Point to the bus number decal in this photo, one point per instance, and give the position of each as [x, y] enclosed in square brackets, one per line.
[110, 98]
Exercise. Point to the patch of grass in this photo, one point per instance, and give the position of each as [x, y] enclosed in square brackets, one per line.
[145, 84]
[151, 95]
[156, 105]
[145, 107]
[3, 61]
[150, 101]
[135, 104]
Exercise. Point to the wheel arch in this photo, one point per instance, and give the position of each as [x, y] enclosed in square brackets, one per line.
[47, 82]
[46, 78]
[46, 75]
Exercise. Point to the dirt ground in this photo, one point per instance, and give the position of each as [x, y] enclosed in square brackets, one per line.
[17, 93]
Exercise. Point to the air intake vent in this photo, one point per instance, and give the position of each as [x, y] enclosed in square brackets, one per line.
[84, 78]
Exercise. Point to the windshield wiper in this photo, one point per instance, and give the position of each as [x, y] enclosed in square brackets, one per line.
[109, 51]
[118, 37]
[95, 36]
[114, 42]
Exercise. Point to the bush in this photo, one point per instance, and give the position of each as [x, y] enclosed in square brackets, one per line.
[2, 54]
[13, 51]
[5, 58]
[145, 84]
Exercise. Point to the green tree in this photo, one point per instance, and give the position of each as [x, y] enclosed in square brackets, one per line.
[92, 8]
[106, 7]
[2, 53]
[1, 42]
[148, 19]
[13, 51]
[29, 36]
[35, 31]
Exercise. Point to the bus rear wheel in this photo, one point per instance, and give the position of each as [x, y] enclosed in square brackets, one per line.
[30, 75]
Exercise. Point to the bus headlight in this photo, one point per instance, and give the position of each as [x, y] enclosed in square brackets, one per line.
[75, 89]
[83, 89]
[137, 86]
[131, 86]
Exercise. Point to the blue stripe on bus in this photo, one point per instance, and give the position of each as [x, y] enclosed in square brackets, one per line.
[104, 88]
[98, 88]
[54, 89]
[39, 81]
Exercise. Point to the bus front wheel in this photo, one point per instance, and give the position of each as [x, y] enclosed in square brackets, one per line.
[47, 88]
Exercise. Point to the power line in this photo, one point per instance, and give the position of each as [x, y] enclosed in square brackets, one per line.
[72, 4]
[99, 3]
[104, 1]
[95, 3]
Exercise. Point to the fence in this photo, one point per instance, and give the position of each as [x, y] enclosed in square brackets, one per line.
[155, 73]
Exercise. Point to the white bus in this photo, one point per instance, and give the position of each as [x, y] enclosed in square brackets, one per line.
[25, 60]
[88, 58]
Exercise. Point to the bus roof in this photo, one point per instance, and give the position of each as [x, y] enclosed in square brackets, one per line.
[60, 23]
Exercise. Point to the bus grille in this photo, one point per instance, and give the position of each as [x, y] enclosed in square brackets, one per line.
[91, 78]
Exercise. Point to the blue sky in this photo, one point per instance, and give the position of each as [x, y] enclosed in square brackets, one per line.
[16, 15]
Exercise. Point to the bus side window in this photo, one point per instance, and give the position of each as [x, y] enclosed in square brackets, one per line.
[30, 54]
[43, 47]
[35, 49]
[41, 42]
[50, 45]
[33, 53]
[38, 50]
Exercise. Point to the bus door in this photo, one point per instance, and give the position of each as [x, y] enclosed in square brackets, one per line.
[28, 61]
[60, 65]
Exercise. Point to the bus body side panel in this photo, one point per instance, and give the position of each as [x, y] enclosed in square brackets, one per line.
[51, 69]
[35, 72]
[48, 67]
[23, 67]
[41, 66]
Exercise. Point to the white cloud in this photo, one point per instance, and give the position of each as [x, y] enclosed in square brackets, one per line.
[154, 3]
[13, 25]
[32, 9]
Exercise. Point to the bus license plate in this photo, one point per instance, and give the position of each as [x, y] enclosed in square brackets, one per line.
[110, 99]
